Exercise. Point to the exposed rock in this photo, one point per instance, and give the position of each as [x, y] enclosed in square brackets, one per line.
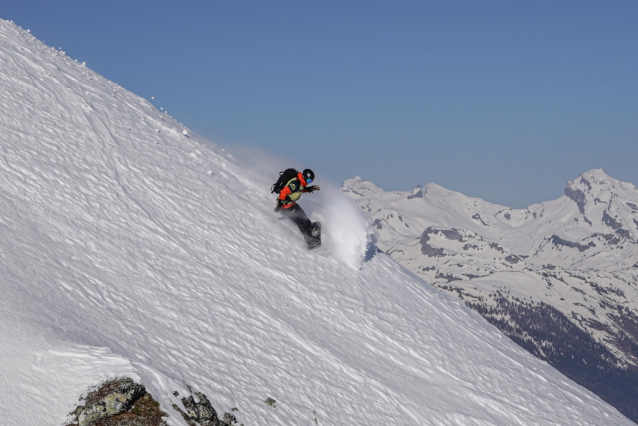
[427, 249]
[633, 207]
[123, 402]
[558, 241]
[609, 238]
[586, 183]
[201, 411]
[452, 234]
[507, 216]
[271, 402]
[624, 233]
[472, 276]
[497, 247]
[577, 196]
[430, 251]
[416, 193]
[477, 216]
[513, 259]
[120, 402]
[610, 221]
[448, 277]
[615, 225]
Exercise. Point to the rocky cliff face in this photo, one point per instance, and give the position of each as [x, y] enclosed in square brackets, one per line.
[560, 278]
[123, 402]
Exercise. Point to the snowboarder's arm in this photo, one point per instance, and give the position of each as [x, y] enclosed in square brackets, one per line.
[284, 193]
[311, 188]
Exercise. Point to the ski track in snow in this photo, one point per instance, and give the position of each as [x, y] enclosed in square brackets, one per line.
[130, 249]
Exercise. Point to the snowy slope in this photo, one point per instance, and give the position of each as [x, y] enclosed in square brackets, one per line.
[578, 253]
[576, 256]
[130, 248]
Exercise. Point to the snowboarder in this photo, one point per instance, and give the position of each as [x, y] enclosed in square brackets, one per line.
[290, 186]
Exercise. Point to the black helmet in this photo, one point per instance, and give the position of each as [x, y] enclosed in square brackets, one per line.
[308, 175]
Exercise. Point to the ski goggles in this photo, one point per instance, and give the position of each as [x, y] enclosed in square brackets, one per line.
[308, 180]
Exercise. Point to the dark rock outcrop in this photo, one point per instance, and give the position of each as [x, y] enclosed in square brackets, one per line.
[452, 234]
[623, 233]
[200, 412]
[558, 241]
[497, 247]
[610, 221]
[477, 216]
[426, 248]
[120, 402]
[615, 225]
[609, 238]
[417, 194]
[513, 259]
[577, 196]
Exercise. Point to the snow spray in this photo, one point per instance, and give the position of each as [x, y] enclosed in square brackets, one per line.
[345, 230]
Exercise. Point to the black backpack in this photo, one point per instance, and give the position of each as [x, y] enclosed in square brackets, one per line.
[284, 177]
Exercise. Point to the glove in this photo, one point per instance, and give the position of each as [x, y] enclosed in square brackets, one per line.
[313, 188]
[279, 204]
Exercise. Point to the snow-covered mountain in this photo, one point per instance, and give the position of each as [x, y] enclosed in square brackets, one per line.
[131, 247]
[549, 276]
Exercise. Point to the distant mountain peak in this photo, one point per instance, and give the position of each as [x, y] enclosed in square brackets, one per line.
[595, 186]
[598, 175]
[593, 180]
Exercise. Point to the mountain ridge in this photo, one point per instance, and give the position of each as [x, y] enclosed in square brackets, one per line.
[576, 256]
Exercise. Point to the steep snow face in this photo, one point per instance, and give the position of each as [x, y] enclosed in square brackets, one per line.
[129, 247]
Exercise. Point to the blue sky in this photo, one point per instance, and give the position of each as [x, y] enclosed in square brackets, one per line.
[503, 100]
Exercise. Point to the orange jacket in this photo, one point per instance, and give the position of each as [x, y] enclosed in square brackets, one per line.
[292, 191]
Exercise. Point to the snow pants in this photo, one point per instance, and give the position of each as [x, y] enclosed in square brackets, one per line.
[297, 215]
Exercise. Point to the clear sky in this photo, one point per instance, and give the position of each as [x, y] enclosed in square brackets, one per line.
[503, 100]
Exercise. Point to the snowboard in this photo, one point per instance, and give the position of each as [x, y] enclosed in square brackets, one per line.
[315, 231]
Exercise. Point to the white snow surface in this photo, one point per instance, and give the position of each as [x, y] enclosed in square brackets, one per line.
[578, 253]
[131, 248]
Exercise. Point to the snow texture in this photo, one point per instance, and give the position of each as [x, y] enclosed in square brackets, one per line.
[130, 249]
[576, 253]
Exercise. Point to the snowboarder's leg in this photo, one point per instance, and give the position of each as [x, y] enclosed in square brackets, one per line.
[297, 215]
